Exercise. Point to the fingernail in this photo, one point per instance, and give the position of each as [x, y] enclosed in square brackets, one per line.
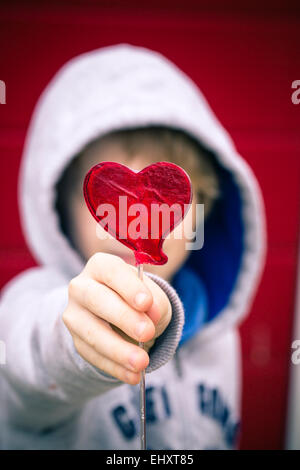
[140, 328]
[140, 298]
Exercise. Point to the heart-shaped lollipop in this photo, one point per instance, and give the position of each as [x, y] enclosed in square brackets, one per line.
[139, 208]
[161, 194]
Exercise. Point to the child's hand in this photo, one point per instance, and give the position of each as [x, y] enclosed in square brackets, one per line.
[106, 316]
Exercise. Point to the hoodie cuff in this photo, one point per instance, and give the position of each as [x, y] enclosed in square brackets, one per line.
[166, 344]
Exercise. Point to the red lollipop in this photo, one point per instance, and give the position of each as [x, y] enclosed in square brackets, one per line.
[161, 194]
[139, 208]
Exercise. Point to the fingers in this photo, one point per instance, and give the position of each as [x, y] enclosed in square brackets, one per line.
[115, 273]
[105, 318]
[105, 364]
[108, 305]
[99, 336]
[123, 278]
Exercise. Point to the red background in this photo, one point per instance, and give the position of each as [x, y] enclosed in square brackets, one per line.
[244, 58]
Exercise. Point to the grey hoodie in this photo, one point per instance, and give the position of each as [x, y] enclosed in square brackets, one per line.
[51, 398]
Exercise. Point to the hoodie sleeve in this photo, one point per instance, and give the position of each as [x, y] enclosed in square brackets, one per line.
[42, 365]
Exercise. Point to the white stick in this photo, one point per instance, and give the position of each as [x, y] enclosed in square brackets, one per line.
[142, 387]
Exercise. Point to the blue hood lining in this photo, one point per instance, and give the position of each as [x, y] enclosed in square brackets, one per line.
[215, 266]
[193, 296]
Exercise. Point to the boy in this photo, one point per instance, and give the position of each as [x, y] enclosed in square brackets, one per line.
[72, 325]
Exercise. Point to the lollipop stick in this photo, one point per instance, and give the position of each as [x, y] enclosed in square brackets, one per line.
[142, 387]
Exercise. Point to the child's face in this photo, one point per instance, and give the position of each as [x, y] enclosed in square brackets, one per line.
[87, 230]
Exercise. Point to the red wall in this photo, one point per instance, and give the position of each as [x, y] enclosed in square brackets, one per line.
[244, 61]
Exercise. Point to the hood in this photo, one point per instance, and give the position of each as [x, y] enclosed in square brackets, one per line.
[124, 86]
